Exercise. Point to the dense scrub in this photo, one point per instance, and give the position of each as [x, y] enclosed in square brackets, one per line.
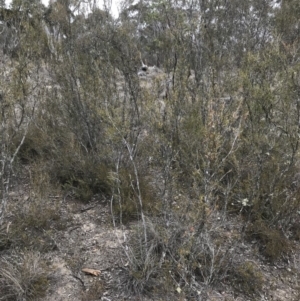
[211, 136]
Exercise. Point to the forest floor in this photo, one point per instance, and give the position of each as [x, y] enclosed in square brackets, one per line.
[88, 240]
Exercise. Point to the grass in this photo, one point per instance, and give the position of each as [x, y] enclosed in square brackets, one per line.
[23, 276]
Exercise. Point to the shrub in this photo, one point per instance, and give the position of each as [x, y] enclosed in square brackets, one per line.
[248, 279]
[126, 205]
[272, 243]
[63, 160]
[32, 225]
[146, 258]
[23, 277]
[177, 257]
[35, 146]
[83, 175]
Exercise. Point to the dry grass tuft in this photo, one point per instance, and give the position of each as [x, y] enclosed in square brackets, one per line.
[23, 277]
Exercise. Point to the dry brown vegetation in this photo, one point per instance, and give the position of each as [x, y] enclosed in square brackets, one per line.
[194, 160]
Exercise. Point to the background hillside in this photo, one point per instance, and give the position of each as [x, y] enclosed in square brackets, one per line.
[160, 148]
